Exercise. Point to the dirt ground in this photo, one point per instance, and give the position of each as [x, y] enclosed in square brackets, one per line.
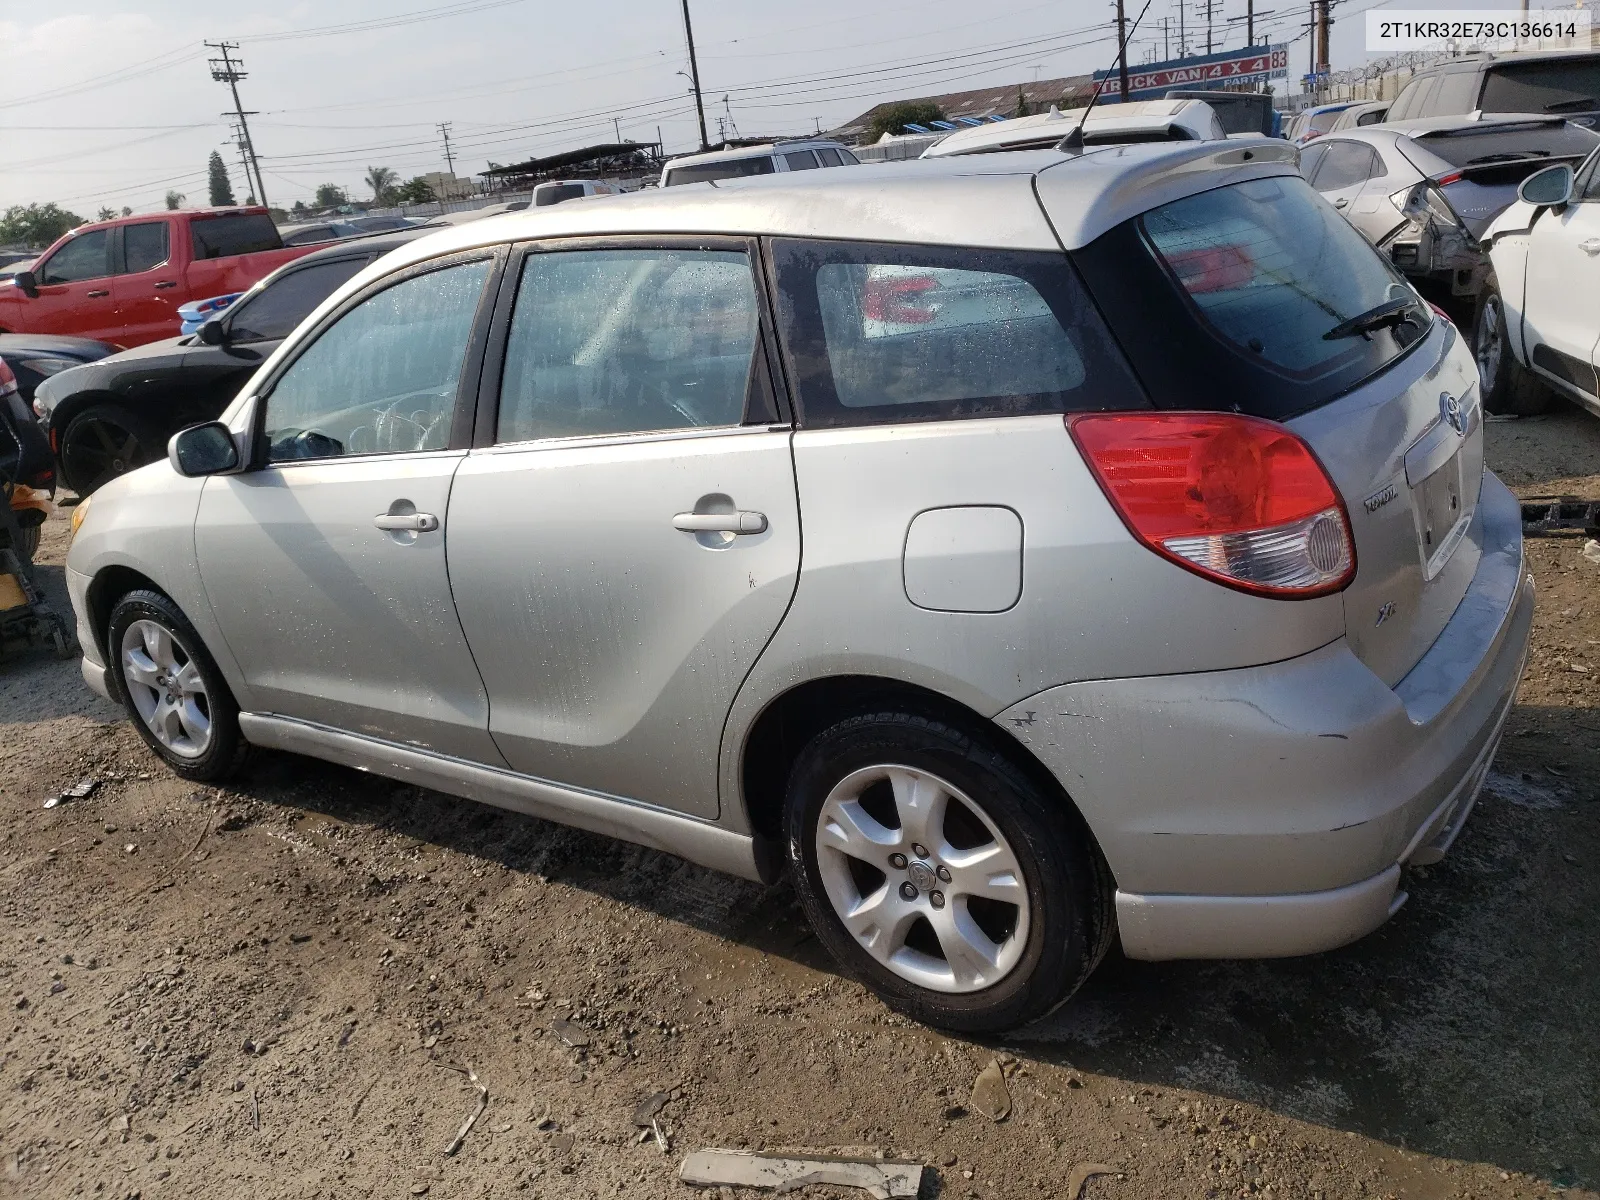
[276, 989]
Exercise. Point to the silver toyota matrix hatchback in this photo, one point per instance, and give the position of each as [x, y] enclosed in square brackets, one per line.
[1023, 552]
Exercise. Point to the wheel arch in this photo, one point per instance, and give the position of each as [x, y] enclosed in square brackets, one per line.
[792, 718]
[110, 585]
[69, 407]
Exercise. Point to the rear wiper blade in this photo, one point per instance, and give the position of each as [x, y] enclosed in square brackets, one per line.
[1573, 105]
[1390, 312]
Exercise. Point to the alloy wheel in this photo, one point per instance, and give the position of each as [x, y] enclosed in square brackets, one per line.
[922, 878]
[166, 687]
[98, 452]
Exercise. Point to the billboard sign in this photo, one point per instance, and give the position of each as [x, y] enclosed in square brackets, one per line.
[1231, 68]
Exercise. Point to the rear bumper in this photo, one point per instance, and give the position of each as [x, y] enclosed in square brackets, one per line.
[1267, 811]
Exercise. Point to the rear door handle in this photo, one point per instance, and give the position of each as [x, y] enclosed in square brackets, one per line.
[166, 283]
[734, 522]
[97, 293]
[406, 522]
[1591, 246]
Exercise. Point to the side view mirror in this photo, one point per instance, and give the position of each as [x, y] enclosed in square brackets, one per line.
[213, 332]
[1550, 187]
[27, 283]
[207, 449]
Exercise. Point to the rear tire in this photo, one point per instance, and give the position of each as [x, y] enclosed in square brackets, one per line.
[102, 443]
[172, 689]
[975, 900]
[1508, 387]
[27, 542]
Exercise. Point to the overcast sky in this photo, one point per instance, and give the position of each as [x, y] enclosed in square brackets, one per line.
[112, 104]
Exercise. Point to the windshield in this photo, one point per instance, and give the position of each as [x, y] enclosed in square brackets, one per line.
[727, 168]
[1555, 85]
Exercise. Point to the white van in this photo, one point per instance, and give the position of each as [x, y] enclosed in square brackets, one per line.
[554, 191]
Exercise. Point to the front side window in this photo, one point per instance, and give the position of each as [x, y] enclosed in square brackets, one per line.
[240, 233]
[830, 157]
[84, 257]
[276, 309]
[884, 333]
[628, 341]
[381, 379]
[734, 168]
[1274, 270]
[144, 246]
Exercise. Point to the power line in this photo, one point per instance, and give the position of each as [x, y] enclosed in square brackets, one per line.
[379, 23]
[161, 62]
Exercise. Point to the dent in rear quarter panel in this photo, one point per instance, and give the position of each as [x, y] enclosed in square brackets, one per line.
[145, 521]
[1094, 603]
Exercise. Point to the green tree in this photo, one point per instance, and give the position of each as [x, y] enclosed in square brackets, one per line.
[175, 200]
[218, 185]
[126, 211]
[1022, 103]
[382, 180]
[330, 195]
[106, 214]
[895, 117]
[299, 211]
[414, 191]
[36, 225]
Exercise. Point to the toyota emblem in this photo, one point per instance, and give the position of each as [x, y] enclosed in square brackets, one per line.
[1450, 409]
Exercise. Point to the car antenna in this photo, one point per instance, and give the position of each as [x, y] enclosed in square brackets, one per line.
[1073, 142]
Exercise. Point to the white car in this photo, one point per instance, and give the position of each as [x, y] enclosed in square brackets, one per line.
[770, 159]
[1113, 124]
[1539, 316]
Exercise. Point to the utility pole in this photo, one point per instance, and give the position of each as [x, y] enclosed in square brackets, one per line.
[1208, 26]
[1250, 22]
[449, 158]
[694, 77]
[1183, 35]
[244, 161]
[1322, 37]
[1122, 52]
[228, 70]
[1166, 37]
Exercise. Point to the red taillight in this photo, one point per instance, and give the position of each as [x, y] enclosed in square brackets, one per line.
[899, 300]
[1447, 180]
[1236, 499]
[1213, 268]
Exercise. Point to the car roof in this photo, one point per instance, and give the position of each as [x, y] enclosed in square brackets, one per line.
[1489, 58]
[380, 242]
[1137, 115]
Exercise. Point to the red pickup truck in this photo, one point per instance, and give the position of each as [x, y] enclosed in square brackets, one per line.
[123, 281]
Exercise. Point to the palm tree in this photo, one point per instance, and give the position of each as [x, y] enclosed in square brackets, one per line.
[381, 180]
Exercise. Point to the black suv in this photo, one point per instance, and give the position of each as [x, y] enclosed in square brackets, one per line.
[116, 414]
[1559, 82]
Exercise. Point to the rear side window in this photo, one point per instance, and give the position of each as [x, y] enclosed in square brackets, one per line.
[1458, 92]
[737, 168]
[144, 246]
[880, 334]
[277, 308]
[556, 193]
[1225, 300]
[222, 237]
[847, 159]
[830, 158]
[1375, 117]
[1553, 86]
[800, 160]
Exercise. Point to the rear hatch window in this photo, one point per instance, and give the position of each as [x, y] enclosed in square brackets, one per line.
[728, 168]
[1485, 147]
[1553, 86]
[241, 233]
[1240, 299]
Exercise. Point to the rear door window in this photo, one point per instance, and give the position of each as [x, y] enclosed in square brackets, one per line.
[1311, 159]
[240, 233]
[830, 158]
[800, 160]
[276, 309]
[144, 246]
[883, 333]
[1344, 165]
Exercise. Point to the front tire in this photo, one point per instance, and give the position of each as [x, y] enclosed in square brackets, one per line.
[102, 443]
[172, 689]
[1508, 387]
[941, 876]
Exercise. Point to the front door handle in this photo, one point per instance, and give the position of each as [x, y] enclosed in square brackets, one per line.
[415, 522]
[1340, 203]
[97, 293]
[1591, 246]
[732, 522]
[166, 283]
